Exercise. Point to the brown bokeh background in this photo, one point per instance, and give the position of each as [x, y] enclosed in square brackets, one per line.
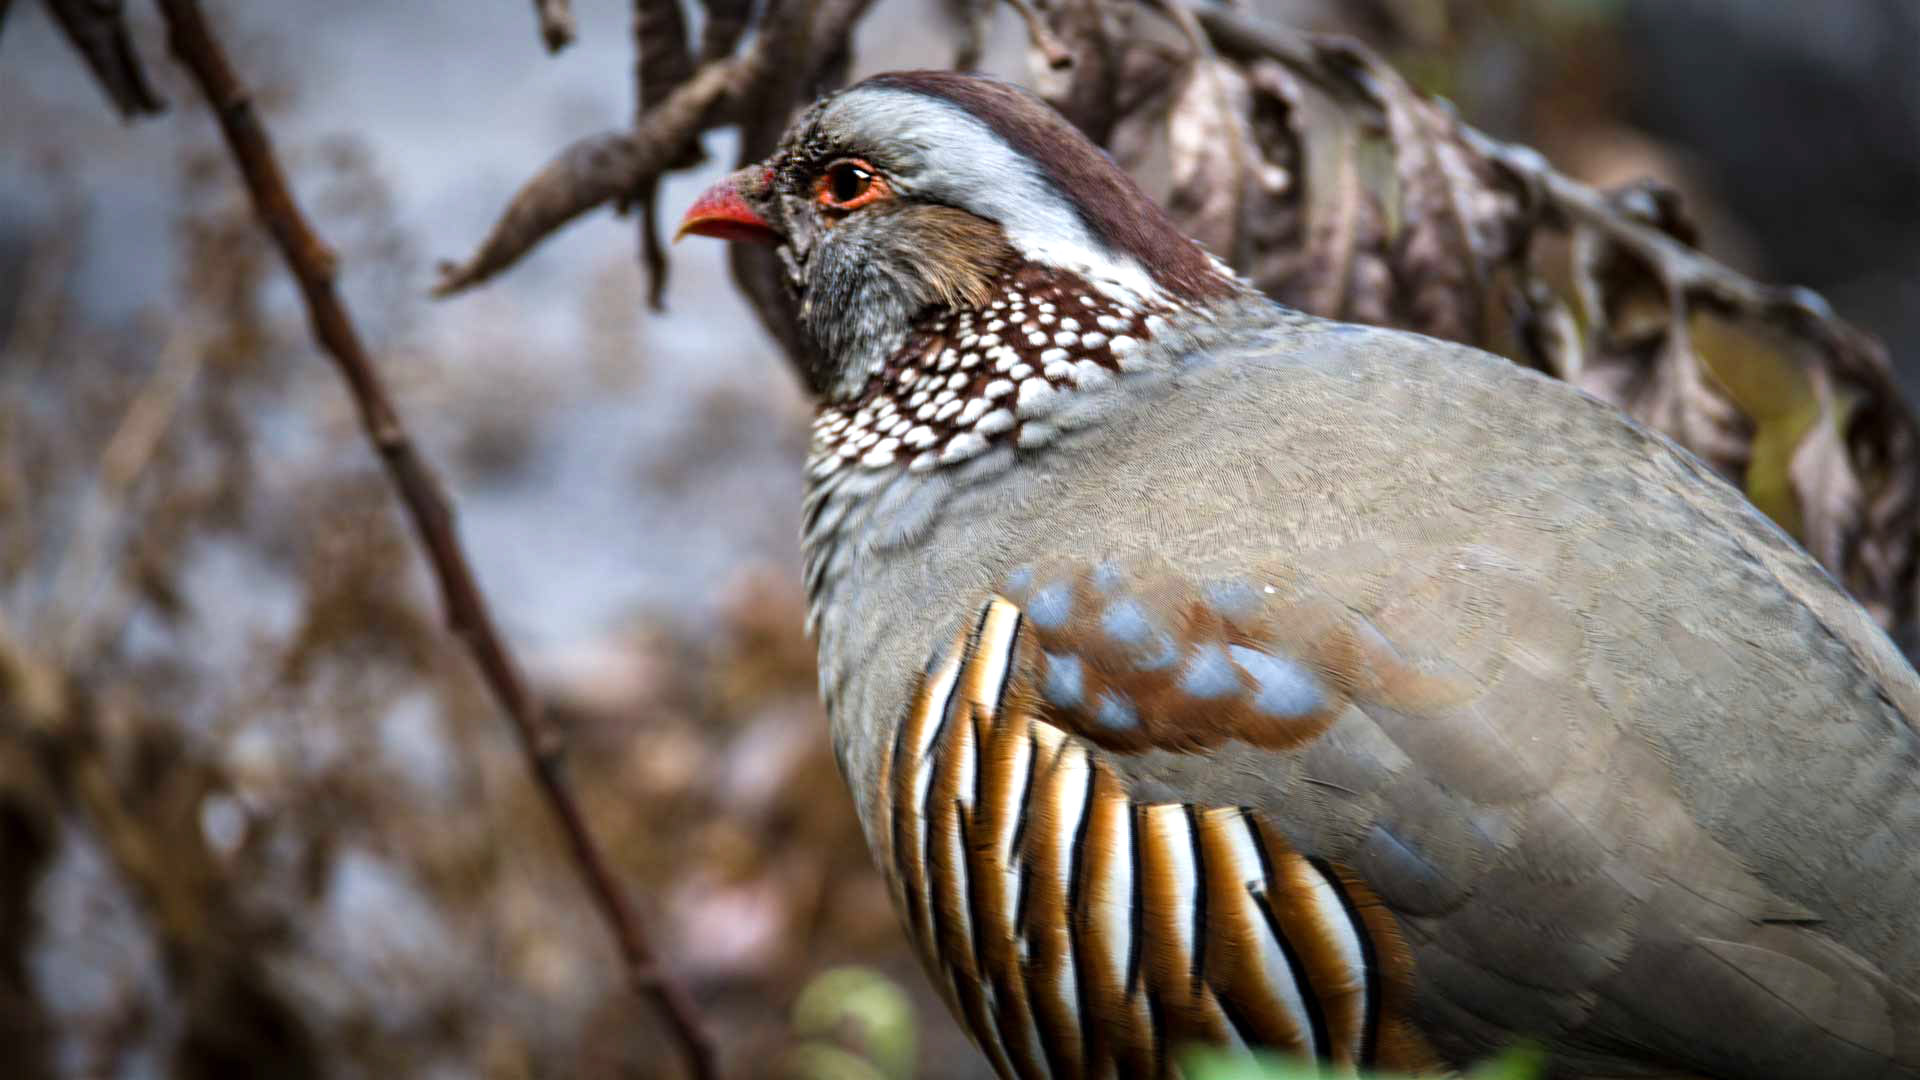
[257, 816]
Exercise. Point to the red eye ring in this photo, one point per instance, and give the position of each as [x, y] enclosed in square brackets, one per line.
[849, 184]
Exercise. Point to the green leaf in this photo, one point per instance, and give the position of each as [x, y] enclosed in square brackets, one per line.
[862, 1010]
[1520, 1063]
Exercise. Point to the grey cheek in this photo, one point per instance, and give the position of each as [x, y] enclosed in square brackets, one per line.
[1285, 688]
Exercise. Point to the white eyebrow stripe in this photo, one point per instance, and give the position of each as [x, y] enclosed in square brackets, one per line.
[937, 150]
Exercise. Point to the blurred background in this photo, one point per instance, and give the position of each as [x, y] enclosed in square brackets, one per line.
[294, 837]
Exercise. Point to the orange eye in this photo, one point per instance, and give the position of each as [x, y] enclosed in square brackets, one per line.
[849, 184]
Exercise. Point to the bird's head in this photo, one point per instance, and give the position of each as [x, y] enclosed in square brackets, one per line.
[922, 194]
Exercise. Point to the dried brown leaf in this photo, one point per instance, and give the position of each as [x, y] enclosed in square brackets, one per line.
[1446, 223]
[1274, 221]
[1207, 155]
[1400, 214]
[1346, 188]
[1638, 354]
[1828, 497]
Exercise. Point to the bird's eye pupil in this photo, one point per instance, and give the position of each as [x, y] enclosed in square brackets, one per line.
[849, 182]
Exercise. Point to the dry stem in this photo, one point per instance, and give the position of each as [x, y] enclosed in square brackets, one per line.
[1044, 39]
[314, 265]
[556, 23]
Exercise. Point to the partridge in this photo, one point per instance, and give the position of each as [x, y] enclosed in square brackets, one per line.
[1208, 673]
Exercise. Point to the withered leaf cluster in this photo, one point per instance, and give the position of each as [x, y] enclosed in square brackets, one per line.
[1307, 162]
[1381, 206]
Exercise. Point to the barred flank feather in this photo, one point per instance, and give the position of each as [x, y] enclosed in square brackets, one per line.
[1077, 933]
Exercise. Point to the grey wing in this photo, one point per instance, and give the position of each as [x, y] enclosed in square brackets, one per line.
[1638, 779]
[1674, 824]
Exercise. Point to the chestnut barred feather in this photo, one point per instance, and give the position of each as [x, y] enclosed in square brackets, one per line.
[1080, 932]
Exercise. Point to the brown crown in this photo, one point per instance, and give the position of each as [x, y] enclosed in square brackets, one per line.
[1111, 205]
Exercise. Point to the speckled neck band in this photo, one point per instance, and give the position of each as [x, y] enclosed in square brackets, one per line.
[965, 381]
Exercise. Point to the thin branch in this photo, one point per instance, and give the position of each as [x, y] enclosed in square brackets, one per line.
[1090, 96]
[797, 48]
[661, 63]
[98, 32]
[1057, 55]
[726, 24]
[40, 311]
[128, 452]
[313, 265]
[971, 21]
[556, 23]
[594, 170]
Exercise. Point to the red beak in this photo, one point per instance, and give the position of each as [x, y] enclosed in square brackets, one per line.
[723, 213]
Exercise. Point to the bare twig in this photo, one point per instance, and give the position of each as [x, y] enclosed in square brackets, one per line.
[661, 64]
[726, 23]
[127, 453]
[313, 265]
[98, 31]
[556, 23]
[594, 170]
[1088, 97]
[798, 48]
[40, 311]
[660, 57]
[971, 19]
[820, 34]
[1044, 39]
